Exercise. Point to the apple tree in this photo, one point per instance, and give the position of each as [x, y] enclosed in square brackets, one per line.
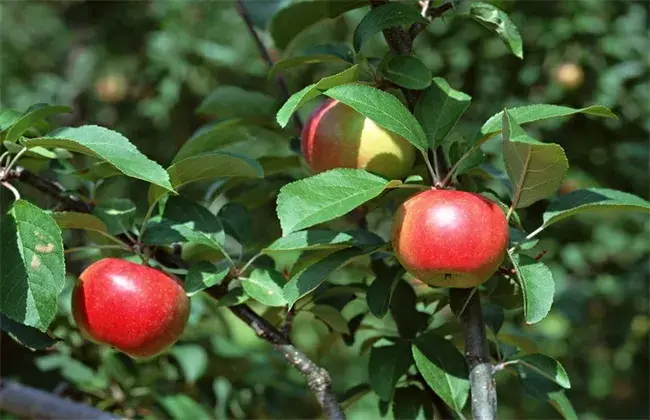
[389, 225]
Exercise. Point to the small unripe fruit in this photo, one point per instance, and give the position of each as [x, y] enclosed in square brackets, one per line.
[449, 238]
[136, 309]
[112, 88]
[569, 75]
[337, 136]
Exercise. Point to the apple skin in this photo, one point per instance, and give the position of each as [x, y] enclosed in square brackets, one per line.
[136, 309]
[337, 136]
[449, 238]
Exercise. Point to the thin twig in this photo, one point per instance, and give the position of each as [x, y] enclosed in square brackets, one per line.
[484, 394]
[318, 379]
[430, 13]
[51, 188]
[266, 57]
[12, 189]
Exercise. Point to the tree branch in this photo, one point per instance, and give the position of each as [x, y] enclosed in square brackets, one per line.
[29, 402]
[318, 379]
[51, 188]
[430, 13]
[266, 57]
[484, 395]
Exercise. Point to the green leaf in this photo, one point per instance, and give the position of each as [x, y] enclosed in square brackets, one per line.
[296, 17]
[32, 116]
[308, 93]
[185, 221]
[117, 213]
[309, 240]
[37, 151]
[234, 102]
[590, 200]
[386, 365]
[412, 402]
[330, 316]
[224, 135]
[541, 388]
[302, 60]
[326, 196]
[265, 286]
[403, 309]
[546, 366]
[381, 290]
[384, 17]
[180, 406]
[341, 51]
[193, 360]
[109, 146]
[443, 367]
[204, 275]
[535, 169]
[538, 112]
[498, 22]
[493, 316]
[237, 222]
[537, 287]
[32, 267]
[206, 166]
[26, 336]
[8, 117]
[406, 71]
[74, 220]
[235, 296]
[384, 109]
[439, 109]
[311, 276]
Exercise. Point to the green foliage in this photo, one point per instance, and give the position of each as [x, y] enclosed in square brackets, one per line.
[187, 88]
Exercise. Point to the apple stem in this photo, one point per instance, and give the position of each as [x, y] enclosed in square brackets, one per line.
[13, 190]
[432, 171]
[483, 387]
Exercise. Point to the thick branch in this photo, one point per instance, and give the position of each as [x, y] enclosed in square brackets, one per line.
[25, 401]
[318, 378]
[484, 394]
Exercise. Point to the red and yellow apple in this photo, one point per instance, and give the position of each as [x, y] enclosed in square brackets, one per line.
[449, 238]
[337, 136]
[136, 309]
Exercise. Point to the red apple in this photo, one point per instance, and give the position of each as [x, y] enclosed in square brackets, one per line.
[337, 136]
[136, 309]
[450, 238]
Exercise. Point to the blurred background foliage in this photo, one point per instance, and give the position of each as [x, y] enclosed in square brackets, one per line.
[142, 68]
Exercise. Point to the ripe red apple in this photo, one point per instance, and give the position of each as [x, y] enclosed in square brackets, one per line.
[450, 238]
[136, 309]
[337, 136]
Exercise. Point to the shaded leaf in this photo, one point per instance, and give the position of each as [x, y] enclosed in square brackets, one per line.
[234, 102]
[193, 360]
[302, 60]
[27, 336]
[381, 290]
[498, 22]
[117, 213]
[386, 365]
[180, 406]
[546, 366]
[311, 276]
[207, 166]
[406, 71]
[439, 109]
[592, 199]
[304, 14]
[74, 220]
[330, 316]
[384, 17]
